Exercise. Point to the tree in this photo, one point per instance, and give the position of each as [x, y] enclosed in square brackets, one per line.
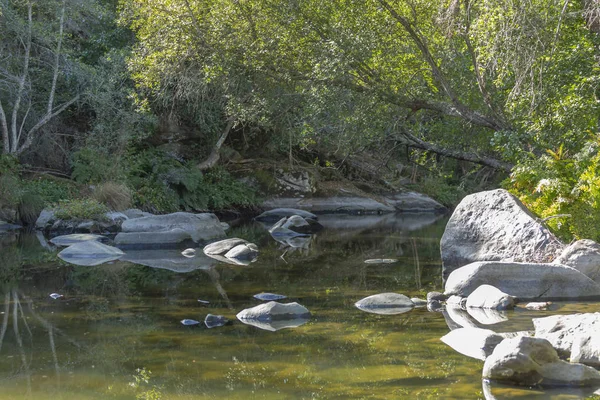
[32, 69]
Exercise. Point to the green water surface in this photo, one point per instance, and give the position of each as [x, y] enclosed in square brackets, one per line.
[116, 334]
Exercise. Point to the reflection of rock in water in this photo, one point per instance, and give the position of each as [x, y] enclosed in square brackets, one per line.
[276, 325]
[169, 259]
[397, 222]
[90, 253]
[509, 392]
[487, 316]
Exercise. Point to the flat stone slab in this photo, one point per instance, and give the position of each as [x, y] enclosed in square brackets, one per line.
[204, 226]
[90, 253]
[273, 311]
[153, 239]
[524, 281]
[67, 240]
[277, 213]
[413, 202]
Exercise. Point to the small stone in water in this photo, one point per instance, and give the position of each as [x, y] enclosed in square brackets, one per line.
[203, 301]
[538, 306]
[56, 296]
[189, 253]
[380, 261]
[269, 296]
[188, 322]
[214, 321]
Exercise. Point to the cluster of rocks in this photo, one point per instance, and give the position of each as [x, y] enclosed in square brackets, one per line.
[293, 228]
[495, 255]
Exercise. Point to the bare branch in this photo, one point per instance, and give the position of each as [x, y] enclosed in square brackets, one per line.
[214, 154]
[5, 136]
[57, 58]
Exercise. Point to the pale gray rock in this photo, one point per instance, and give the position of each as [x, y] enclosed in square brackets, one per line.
[436, 296]
[116, 216]
[531, 361]
[457, 301]
[46, 218]
[67, 240]
[223, 246]
[380, 261]
[584, 256]
[538, 305]
[166, 238]
[419, 302]
[90, 253]
[385, 303]
[562, 330]
[243, 251]
[586, 349]
[203, 226]
[134, 213]
[495, 226]
[524, 281]
[473, 342]
[274, 311]
[413, 202]
[215, 321]
[487, 296]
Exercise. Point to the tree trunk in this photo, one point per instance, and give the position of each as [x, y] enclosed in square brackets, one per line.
[214, 156]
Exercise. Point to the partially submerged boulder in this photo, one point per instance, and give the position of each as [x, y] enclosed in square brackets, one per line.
[524, 281]
[563, 330]
[204, 226]
[531, 361]
[108, 222]
[90, 253]
[584, 256]
[495, 226]
[473, 342]
[233, 251]
[385, 303]
[274, 316]
[490, 297]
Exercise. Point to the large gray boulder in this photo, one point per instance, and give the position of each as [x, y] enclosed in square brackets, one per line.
[200, 227]
[90, 253]
[385, 303]
[564, 330]
[167, 238]
[487, 296]
[495, 226]
[524, 281]
[584, 256]
[531, 361]
[473, 342]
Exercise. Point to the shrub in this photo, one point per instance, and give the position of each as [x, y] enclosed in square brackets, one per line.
[92, 166]
[30, 207]
[115, 196]
[80, 209]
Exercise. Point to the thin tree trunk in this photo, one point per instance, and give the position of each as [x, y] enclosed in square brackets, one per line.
[17, 106]
[214, 156]
[5, 319]
[4, 126]
[57, 58]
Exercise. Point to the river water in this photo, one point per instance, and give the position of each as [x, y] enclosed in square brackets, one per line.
[116, 332]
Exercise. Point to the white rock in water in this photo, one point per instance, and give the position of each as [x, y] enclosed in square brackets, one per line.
[385, 303]
[473, 342]
[188, 253]
[274, 311]
[56, 296]
[487, 296]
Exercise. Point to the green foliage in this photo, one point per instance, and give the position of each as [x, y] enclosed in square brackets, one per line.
[115, 196]
[564, 185]
[80, 209]
[162, 183]
[51, 190]
[92, 166]
[440, 189]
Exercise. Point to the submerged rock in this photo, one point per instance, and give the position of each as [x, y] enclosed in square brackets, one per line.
[540, 305]
[473, 342]
[269, 296]
[495, 226]
[67, 240]
[531, 361]
[385, 303]
[215, 321]
[487, 296]
[90, 253]
[380, 261]
[584, 256]
[55, 296]
[524, 281]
